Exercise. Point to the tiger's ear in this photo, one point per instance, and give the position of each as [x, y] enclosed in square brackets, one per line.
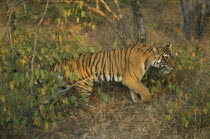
[155, 51]
[169, 46]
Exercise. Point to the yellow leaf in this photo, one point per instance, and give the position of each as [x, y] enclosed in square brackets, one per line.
[2, 98]
[77, 19]
[65, 68]
[180, 67]
[196, 109]
[43, 91]
[58, 21]
[40, 30]
[11, 85]
[186, 97]
[15, 42]
[38, 66]
[186, 123]
[40, 107]
[46, 125]
[193, 54]
[67, 73]
[168, 117]
[23, 61]
[205, 111]
[60, 39]
[65, 101]
[1, 69]
[203, 59]
[93, 26]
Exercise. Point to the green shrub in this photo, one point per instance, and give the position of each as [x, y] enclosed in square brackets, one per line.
[188, 83]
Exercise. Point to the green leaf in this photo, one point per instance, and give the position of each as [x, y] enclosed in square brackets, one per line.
[105, 97]
[92, 49]
[81, 4]
[36, 113]
[115, 45]
[73, 99]
[42, 74]
[37, 73]
[2, 98]
[42, 50]
[83, 14]
[168, 117]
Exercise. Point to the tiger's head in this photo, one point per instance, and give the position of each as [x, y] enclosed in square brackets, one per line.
[164, 58]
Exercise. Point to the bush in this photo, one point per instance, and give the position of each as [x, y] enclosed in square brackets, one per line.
[189, 86]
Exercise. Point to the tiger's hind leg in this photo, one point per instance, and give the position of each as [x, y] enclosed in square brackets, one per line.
[85, 90]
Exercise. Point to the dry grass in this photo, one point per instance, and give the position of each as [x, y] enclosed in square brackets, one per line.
[121, 118]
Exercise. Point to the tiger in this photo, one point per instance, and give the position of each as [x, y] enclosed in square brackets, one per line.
[126, 65]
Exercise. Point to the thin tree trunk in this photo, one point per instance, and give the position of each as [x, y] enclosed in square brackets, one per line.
[198, 21]
[121, 22]
[205, 18]
[139, 29]
[186, 17]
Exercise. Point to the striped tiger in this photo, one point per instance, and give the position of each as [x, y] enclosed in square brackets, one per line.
[127, 65]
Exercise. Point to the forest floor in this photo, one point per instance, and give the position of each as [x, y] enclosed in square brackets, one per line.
[120, 118]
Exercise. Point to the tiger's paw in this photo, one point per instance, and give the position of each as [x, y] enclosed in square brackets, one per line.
[136, 99]
[147, 98]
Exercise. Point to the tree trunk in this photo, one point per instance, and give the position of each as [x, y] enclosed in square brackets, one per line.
[205, 18]
[139, 29]
[186, 17]
[198, 21]
[121, 23]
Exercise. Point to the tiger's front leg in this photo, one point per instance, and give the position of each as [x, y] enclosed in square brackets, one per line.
[137, 87]
[134, 96]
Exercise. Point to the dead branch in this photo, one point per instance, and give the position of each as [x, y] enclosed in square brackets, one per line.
[45, 10]
[118, 8]
[33, 59]
[108, 9]
[92, 9]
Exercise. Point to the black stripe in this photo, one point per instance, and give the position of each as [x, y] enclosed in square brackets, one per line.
[116, 64]
[136, 76]
[101, 68]
[120, 60]
[146, 64]
[105, 57]
[128, 61]
[111, 67]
